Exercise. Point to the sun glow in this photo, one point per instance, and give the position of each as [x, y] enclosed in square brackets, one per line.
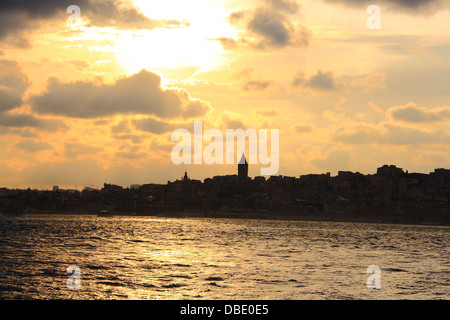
[187, 46]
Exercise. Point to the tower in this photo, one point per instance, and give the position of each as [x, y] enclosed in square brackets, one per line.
[243, 168]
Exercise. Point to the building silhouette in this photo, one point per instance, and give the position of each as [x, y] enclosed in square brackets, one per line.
[243, 168]
[391, 195]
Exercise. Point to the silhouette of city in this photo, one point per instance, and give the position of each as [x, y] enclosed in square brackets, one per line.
[389, 196]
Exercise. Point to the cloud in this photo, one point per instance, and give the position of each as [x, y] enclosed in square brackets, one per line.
[73, 150]
[232, 121]
[115, 13]
[14, 120]
[256, 85]
[388, 134]
[271, 26]
[415, 114]
[22, 132]
[132, 137]
[19, 16]
[123, 131]
[196, 108]
[303, 128]
[288, 6]
[230, 43]
[322, 81]
[131, 156]
[266, 27]
[140, 93]
[397, 135]
[32, 146]
[249, 81]
[13, 84]
[165, 147]
[359, 134]
[154, 126]
[410, 6]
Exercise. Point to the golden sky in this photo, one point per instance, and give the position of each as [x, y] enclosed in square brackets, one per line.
[95, 99]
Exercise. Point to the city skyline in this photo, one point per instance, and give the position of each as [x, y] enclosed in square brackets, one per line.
[96, 94]
[392, 195]
[241, 172]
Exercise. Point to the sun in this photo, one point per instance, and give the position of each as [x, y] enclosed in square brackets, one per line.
[179, 47]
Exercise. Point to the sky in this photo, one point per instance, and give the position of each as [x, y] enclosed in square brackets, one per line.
[95, 98]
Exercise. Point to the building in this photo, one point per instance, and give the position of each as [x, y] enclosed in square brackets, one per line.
[390, 171]
[243, 168]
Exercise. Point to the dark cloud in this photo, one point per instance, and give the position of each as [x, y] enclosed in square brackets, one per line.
[414, 114]
[272, 27]
[19, 16]
[13, 84]
[323, 81]
[32, 146]
[14, 120]
[154, 126]
[22, 132]
[410, 6]
[113, 13]
[140, 93]
[288, 6]
[267, 27]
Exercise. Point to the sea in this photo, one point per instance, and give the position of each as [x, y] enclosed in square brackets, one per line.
[89, 257]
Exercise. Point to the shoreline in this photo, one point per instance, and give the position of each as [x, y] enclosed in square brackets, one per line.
[318, 217]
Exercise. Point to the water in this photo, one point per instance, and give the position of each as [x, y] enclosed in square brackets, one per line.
[194, 258]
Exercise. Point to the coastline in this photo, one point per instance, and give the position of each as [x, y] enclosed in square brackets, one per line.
[318, 217]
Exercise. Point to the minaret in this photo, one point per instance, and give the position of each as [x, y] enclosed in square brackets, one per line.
[243, 168]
